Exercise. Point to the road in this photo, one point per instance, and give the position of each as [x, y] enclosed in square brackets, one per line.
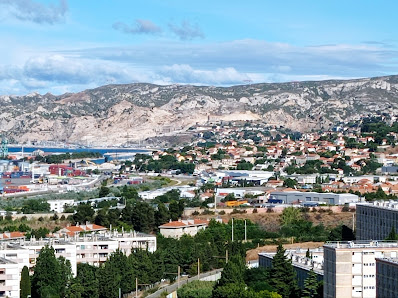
[173, 287]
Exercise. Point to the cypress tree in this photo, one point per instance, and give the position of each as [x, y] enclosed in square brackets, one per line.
[282, 275]
[25, 283]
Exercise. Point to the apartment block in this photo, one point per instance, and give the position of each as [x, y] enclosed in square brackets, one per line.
[375, 220]
[350, 267]
[387, 278]
[94, 249]
[9, 279]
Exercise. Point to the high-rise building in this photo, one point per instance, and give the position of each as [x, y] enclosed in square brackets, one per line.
[350, 267]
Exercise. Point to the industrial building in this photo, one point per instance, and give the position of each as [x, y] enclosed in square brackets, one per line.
[298, 197]
[375, 220]
[350, 267]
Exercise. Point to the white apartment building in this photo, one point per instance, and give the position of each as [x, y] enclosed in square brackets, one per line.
[9, 279]
[350, 267]
[58, 206]
[93, 249]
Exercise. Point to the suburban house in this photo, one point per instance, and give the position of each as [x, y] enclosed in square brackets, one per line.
[175, 229]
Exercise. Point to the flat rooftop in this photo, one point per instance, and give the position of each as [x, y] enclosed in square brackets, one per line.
[388, 205]
[361, 244]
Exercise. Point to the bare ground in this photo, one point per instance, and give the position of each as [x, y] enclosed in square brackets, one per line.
[252, 254]
[271, 222]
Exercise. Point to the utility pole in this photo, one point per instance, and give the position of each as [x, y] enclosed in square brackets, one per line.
[232, 229]
[353, 222]
[245, 231]
[136, 287]
[178, 277]
[198, 269]
[226, 256]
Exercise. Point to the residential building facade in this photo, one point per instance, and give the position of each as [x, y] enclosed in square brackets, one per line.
[375, 220]
[350, 267]
[387, 278]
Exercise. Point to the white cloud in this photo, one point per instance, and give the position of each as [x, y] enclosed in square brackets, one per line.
[140, 27]
[33, 11]
[183, 73]
[186, 30]
[226, 63]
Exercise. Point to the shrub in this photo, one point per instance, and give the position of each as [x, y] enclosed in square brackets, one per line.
[255, 210]
[207, 212]
[270, 210]
[195, 213]
[222, 212]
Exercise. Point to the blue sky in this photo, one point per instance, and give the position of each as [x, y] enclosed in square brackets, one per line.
[63, 46]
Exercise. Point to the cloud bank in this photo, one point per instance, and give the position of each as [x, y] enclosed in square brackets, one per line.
[220, 64]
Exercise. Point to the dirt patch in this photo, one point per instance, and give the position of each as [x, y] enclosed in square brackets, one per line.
[252, 254]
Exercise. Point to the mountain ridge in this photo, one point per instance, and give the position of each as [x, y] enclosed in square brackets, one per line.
[125, 113]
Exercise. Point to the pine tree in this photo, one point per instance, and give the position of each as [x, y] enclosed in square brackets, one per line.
[51, 275]
[162, 215]
[310, 286]
[282, 275]
[87, 278]
[25, 283]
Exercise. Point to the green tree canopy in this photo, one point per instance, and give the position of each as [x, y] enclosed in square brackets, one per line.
[282, 275]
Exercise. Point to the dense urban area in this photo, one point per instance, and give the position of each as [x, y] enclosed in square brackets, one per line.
[244, 210]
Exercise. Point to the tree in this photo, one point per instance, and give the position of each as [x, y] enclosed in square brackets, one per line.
[25, 283]
[162, 215]
[51, 275]
[84, 212]
[87, 278]
[116, 273]
[393, 235]
[290, 215]
[291, 183]
[311, 286]
[196, 289]
[142, 217]
[174, 210]
[103, 192]
[232, 279]
[282, 275]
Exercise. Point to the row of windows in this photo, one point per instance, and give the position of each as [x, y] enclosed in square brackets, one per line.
[369, 288]
[369, 276]
[369, 264]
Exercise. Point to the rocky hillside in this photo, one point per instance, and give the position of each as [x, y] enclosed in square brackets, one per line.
[120, 114]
